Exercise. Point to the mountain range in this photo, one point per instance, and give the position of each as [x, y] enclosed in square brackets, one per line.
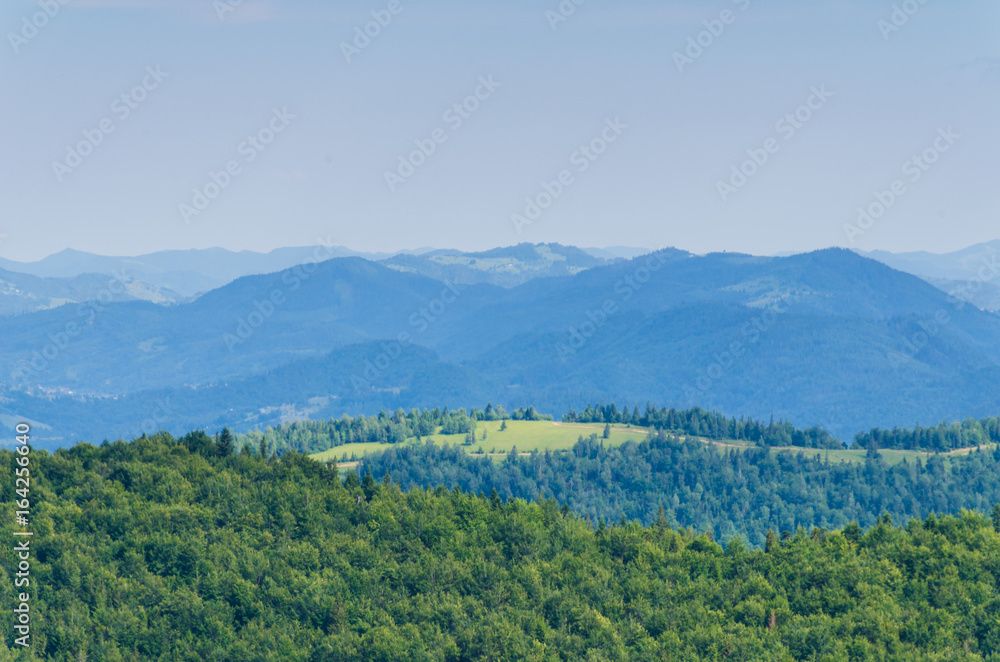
[829, 338]
[188, 273]
[170, 277]
[972, 273]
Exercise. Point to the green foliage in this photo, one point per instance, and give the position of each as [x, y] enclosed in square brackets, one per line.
[457, 423]
[314, 436]
[153, 551]
[944, 437]
[709, 424]
[731, 491]
[226, 444]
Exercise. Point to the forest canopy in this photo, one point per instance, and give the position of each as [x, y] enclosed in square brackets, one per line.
[176, 549]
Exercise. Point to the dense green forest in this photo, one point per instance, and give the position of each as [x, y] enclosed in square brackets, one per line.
[944, 437]
[731, 492]
[317, 436]
[165, 549]
[710, 424]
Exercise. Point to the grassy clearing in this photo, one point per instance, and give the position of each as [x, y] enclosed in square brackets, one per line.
[529, 436]
[893, 457]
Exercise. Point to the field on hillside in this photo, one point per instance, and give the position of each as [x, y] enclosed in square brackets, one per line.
[526, 436]
[529, 436]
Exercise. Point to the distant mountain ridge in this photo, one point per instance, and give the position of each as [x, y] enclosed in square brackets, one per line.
[972, 273]
[828, 338]
[507, 267]
[956, 265]
[183, 274]
[187, 272]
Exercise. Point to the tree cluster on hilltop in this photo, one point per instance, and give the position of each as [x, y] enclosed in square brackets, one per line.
[710, 424]
[308, 436]
[943, 437]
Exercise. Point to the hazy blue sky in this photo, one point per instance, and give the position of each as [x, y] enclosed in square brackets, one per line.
[655, 185]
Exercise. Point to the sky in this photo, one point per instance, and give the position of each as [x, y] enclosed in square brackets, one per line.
[760, 126]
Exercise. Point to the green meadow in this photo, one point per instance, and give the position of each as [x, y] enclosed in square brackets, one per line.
[528, 436]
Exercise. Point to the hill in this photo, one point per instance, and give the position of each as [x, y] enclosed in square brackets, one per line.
[169, 549]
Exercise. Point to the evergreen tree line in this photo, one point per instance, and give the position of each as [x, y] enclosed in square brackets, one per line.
[316, 436]
[180, 550]
[943, 437]
[729, 491]
[713, 425]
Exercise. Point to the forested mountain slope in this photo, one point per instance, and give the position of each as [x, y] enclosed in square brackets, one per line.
[173, 550]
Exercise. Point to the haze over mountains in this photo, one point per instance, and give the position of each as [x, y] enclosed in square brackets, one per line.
[972, 273]
[176, 276]
[23, 293]
[187, 273]
[829, 338]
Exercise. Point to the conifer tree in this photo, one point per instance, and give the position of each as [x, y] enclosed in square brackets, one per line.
[368, 485]
[771, 543]
[226, 443]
